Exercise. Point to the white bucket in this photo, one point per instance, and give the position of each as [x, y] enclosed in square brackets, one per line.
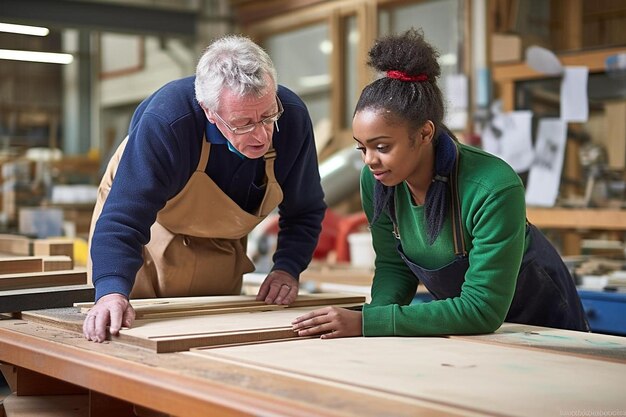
[362, 253]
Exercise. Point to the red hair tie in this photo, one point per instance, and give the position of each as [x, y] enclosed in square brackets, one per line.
[403, 76]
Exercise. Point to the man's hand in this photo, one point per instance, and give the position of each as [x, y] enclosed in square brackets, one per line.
[278, 288]
[329, 322]
[113, 310]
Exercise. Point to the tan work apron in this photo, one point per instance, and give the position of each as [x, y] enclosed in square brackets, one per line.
[198, 242]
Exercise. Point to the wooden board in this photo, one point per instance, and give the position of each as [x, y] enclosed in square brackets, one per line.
[182, 385]
[23, 264]
[42, 279]
[185, 306]
[20, 264]
[178, 333]
[589, 345]
[183, 333]
[47, 297]
[57, 263]
[494, 380]
[15, 245]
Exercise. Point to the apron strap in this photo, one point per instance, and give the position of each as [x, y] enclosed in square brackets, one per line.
[457, 222]
[269, 158]
[204, 155]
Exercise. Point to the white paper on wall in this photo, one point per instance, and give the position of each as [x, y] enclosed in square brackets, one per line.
[545, 173]
[457, 98]
[509, 137]
[574, 101]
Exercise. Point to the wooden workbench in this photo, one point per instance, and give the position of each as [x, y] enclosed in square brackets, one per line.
[518, 371]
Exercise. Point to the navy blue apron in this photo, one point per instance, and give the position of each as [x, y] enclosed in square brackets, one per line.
[545, 293]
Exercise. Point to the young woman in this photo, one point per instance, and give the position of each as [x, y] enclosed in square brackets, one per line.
[443, 214]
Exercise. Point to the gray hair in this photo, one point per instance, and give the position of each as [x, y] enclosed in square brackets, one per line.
[236, 63]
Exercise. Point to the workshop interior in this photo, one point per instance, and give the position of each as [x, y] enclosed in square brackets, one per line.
[539, 84]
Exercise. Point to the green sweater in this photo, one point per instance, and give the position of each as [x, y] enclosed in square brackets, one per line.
[494, 216]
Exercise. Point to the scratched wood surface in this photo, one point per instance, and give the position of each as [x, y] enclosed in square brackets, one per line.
[481, 377]
[186, 386]
[583, 344]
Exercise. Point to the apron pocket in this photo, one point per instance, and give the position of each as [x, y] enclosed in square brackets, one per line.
[219, 266]
[184, 266]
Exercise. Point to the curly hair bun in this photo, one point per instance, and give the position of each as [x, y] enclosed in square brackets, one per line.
[408, 52]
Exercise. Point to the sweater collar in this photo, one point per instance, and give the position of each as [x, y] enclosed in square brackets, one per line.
[215, 137]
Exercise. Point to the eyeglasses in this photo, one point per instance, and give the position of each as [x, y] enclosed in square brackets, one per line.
[268, 121]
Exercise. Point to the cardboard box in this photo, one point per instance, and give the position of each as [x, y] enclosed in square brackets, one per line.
[506, 48]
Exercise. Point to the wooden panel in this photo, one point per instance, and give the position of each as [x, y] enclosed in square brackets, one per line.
[42, 279]
[45, 297]
[101, 405]
[47, 406]
[482, 378]
[33, 383]
[337, 274]
[561, 218]
[615, 139]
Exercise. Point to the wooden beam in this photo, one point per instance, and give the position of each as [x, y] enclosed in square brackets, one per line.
[42, 279]
[45, 297]
[15, 245]
[563, 218]
[53, 247]
[165, 305]
[594, 60]
[21, 264]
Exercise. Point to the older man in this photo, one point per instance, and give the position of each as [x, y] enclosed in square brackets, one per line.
[206, 159]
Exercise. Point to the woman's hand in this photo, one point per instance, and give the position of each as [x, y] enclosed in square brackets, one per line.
[329, 322]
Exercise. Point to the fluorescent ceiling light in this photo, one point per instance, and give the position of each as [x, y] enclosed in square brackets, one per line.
[48, 57]
[326, 47]
[24, 30]
[312, 81]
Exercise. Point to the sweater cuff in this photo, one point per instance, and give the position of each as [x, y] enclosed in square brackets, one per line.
[378, 320]
[292, 270]
[110, 285]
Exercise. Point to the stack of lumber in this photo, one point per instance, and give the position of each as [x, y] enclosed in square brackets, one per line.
[39, 273]
[179, 324]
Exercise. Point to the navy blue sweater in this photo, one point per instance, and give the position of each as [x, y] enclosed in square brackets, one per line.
[163, 150]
